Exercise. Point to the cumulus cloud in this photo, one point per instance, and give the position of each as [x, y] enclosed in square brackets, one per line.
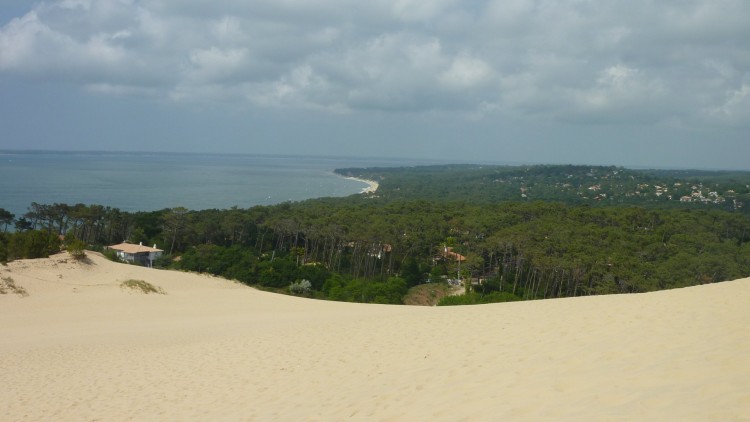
[619, 92]
[466, 72]
[573, 60]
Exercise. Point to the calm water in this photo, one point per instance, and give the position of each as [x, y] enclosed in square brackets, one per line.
[146, 182]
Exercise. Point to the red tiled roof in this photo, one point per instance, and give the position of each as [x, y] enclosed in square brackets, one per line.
[448, 253]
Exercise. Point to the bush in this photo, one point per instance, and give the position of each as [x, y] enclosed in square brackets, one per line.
[162, 262]
[391, 291]
[76, 248]
[3, 248]
[8, 285]
[29, 244]
[301, 287]
[477, 299]
[235, 262]
[111, 254]
[141, 286]
[277, 273]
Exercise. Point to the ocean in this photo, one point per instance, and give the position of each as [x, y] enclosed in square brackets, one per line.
[154, 181]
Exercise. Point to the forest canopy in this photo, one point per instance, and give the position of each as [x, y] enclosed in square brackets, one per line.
[507, 233]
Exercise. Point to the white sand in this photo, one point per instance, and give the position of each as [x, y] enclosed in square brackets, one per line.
[372, 185]
[81, 348]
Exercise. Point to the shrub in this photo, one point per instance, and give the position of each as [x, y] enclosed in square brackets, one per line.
[76, 248]
[8, 285]
[301, 287]
[30, 244]
[474, 298]
[142, 286]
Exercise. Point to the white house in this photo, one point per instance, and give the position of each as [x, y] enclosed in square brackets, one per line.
[140, 254]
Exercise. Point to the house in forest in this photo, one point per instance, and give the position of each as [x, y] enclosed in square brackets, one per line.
[137, 254]
[448, 254]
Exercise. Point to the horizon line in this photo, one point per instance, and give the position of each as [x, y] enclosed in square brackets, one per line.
[432, 161]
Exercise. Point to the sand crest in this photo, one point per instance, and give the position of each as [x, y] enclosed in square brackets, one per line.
[79, 347]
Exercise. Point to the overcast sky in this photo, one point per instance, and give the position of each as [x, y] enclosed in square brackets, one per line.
[655, 83]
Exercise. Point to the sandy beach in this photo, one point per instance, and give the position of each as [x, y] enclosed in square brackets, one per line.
[372, 185]
[78, 346]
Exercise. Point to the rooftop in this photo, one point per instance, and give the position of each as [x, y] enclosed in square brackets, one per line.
[133, 248]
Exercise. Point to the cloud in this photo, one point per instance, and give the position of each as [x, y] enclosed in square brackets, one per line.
[735, 108]
[212, 65]
[466, 72]
[619, 93]
[570, 60]
[30, 45]
[419, 10]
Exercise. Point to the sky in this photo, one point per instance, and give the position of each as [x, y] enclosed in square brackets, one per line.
[638, 83]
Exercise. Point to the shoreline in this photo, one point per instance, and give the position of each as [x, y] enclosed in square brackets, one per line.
[372, 185]
[312, 178]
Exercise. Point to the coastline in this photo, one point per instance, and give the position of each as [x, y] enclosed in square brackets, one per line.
[372, 185]
[197, 182]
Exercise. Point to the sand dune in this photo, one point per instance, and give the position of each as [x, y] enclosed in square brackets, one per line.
[79, 347]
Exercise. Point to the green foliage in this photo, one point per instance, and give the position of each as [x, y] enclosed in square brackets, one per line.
[488, 286]
[138, 236]
[529, 232]
[6, 218]
[436, 273]
[411, 273]
[235, 262]
[573, 185]
[474, 298]
[163, 262]
[110, 254]
[391, 291]
[4, 248]
[75, 247]
[300, 287]
[333, 287]
[316, 274]
[28, 244]
[277, 273]
[22, 225]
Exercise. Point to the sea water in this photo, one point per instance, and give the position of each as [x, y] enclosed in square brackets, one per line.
[154, 181]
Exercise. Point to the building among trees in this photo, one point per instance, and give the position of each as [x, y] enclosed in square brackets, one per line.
[138, 254]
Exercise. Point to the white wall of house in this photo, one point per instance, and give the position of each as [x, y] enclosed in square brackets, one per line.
[125, 256]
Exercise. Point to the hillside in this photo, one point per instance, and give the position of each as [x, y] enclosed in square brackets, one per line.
[80, 347]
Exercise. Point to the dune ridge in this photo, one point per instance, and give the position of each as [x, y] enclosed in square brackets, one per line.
[80, 347]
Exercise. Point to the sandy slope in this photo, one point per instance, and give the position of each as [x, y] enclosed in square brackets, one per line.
[81, 348]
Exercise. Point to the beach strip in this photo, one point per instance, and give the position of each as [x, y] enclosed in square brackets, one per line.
[372, 185]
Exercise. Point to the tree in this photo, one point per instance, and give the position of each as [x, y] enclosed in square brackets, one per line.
[3, 247]
[32, 244]
[411, 272]
[22, 225]
[174, 222]
[6, 217]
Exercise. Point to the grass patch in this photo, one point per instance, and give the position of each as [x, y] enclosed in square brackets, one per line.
[8, 285]
[142, 286]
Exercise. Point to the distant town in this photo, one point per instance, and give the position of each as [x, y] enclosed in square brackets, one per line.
[724, 190]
